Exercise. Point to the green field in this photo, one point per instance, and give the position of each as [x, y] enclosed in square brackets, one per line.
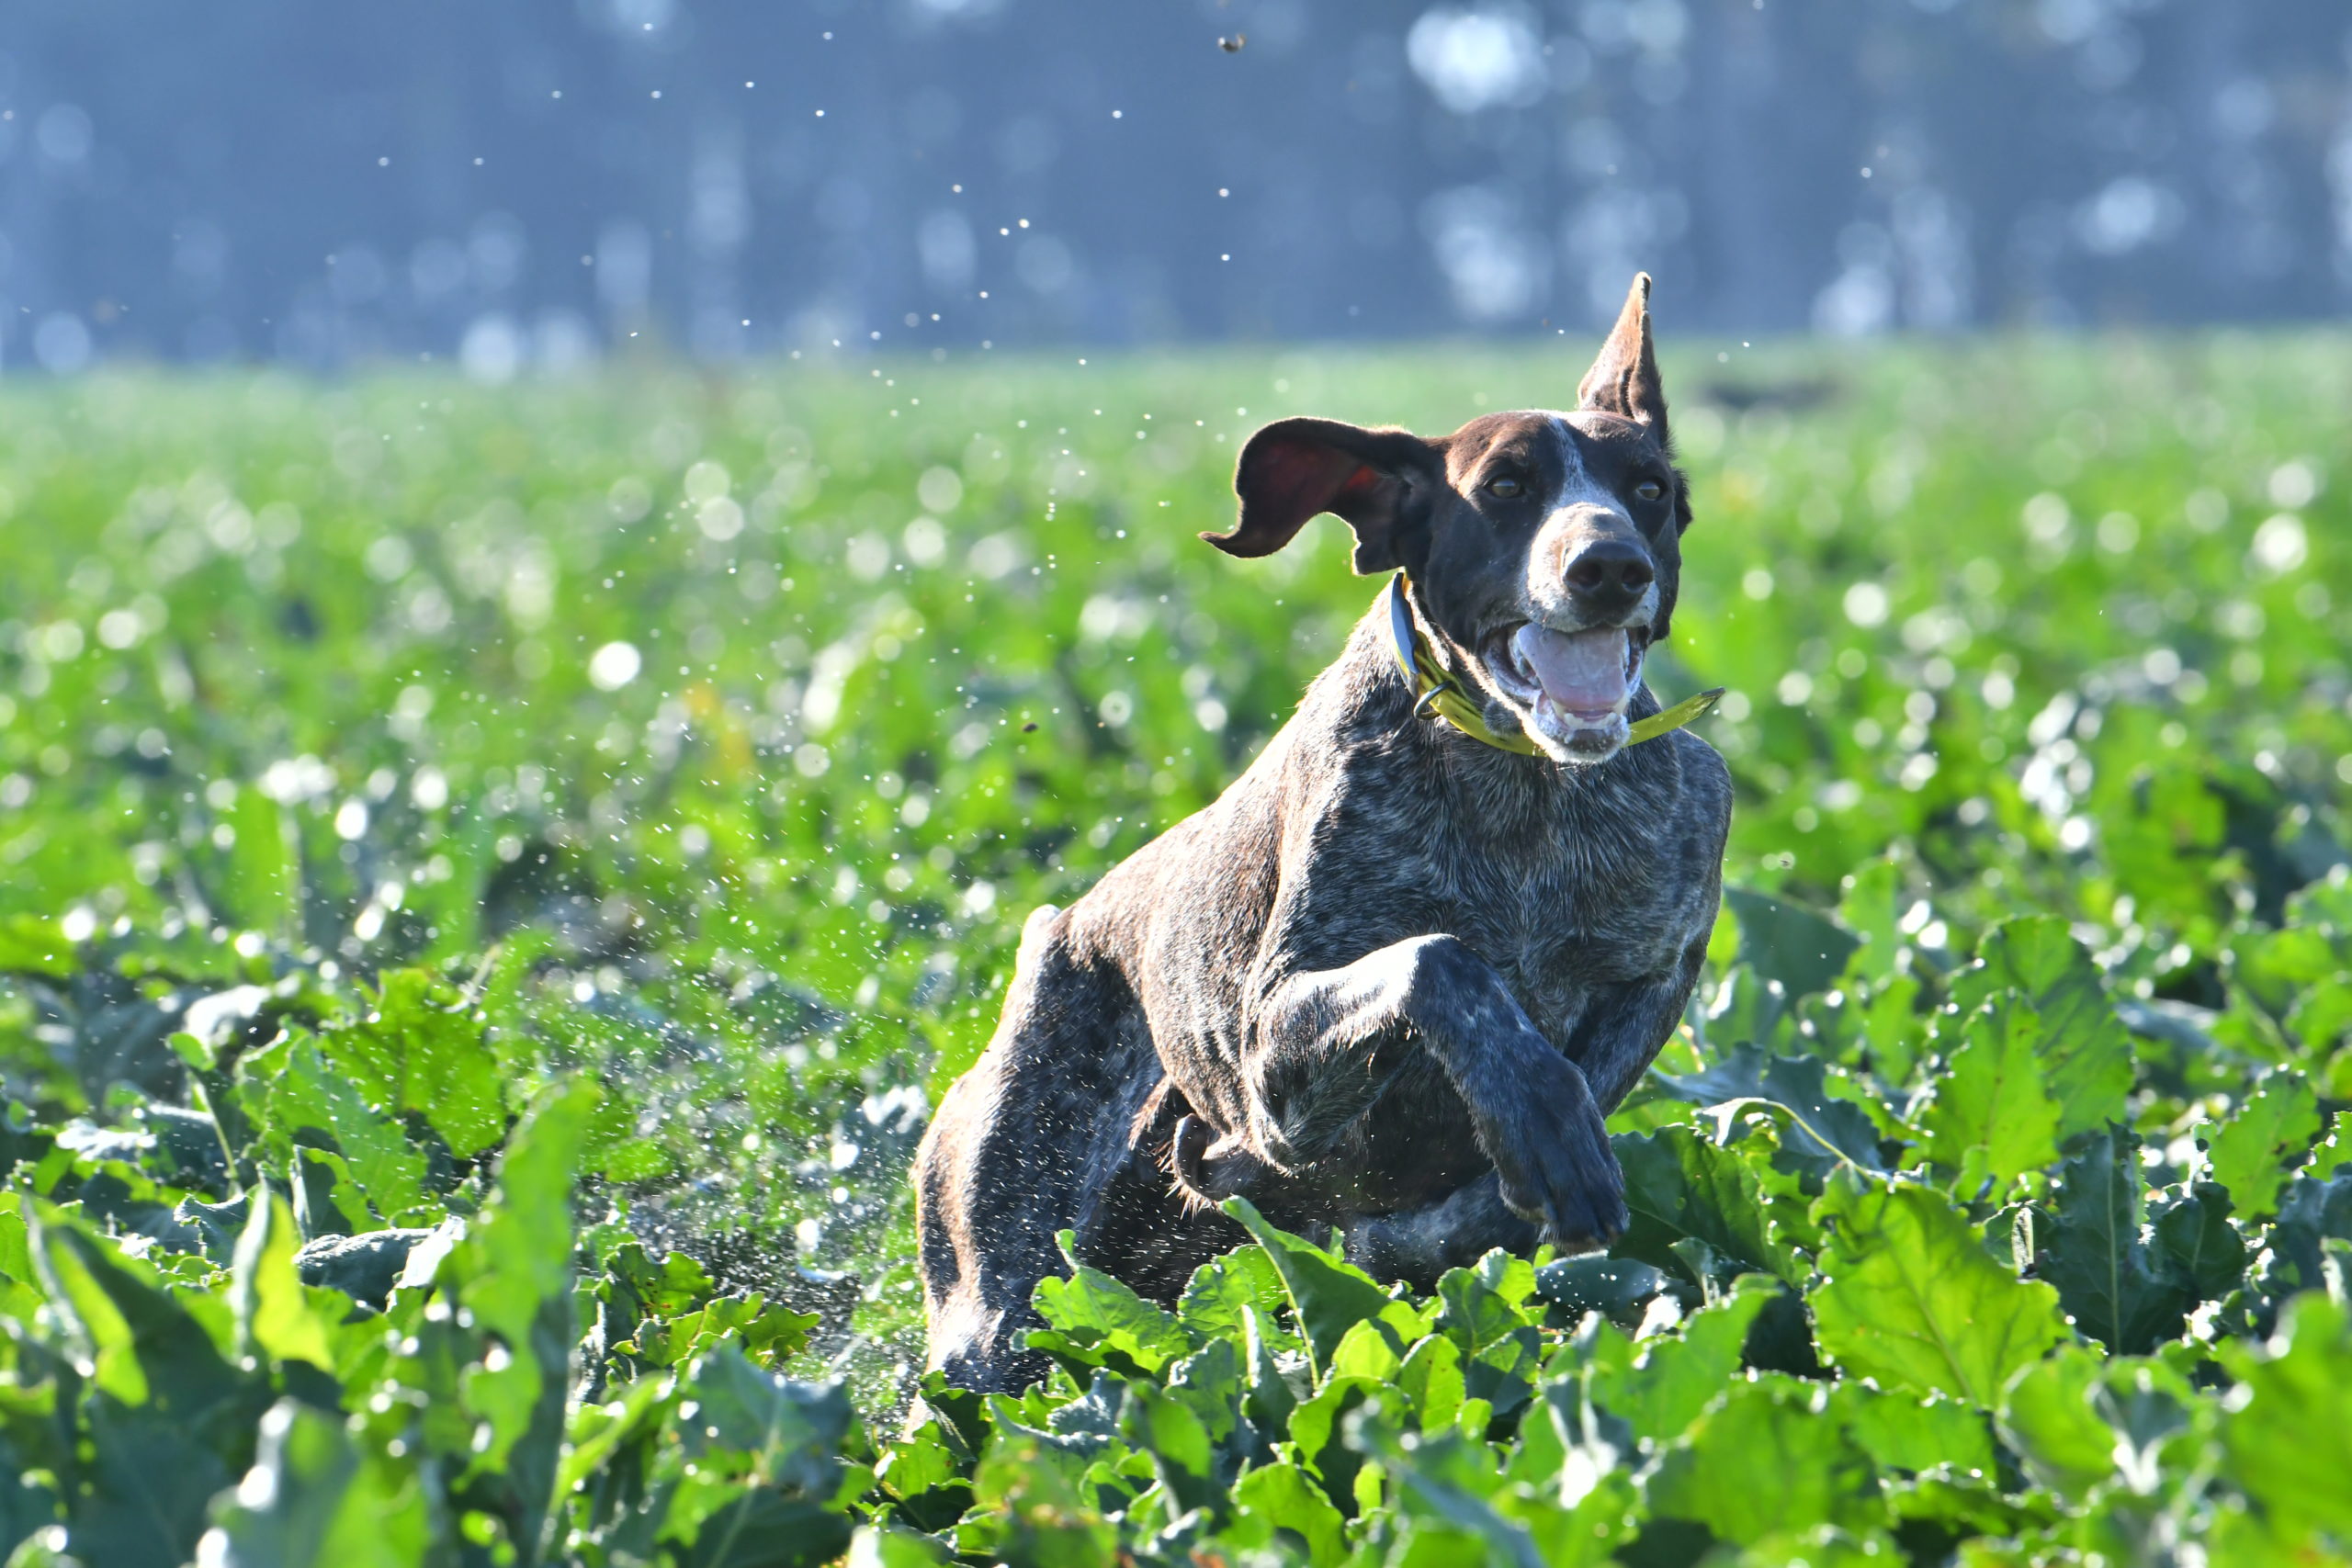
[571, 833]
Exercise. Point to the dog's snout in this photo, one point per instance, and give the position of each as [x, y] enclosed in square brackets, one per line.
[1610, 571]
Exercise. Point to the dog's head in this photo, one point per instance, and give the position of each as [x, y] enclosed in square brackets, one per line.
[1545, 548]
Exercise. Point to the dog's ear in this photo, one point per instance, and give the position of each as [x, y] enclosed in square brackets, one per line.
[1381, 482]
[1624, 380]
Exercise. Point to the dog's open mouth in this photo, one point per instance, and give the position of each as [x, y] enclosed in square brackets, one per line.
[1575, 686]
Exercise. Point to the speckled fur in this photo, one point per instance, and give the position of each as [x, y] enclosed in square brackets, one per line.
[1391, 980]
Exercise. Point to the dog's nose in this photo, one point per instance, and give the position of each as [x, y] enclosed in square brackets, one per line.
[1610, 571]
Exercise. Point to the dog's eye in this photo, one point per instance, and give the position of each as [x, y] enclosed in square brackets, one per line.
[1649, 490]
[1505, 488]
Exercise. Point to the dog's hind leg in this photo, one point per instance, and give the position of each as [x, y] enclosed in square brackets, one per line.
[1418, 1244]
[1022, 1148]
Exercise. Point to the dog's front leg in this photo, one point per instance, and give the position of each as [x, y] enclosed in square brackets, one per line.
[1626, 1025]
[1323, 1044]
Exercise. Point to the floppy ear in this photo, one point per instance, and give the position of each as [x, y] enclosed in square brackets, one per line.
[1381, 482]
[1623, 379]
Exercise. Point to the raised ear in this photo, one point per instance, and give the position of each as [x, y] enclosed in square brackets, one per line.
[1381, 482]
[1623, 379]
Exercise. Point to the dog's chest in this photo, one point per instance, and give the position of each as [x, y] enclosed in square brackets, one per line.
[1571, 908]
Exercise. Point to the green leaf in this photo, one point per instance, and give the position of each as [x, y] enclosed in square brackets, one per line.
[2333, 1152]
[313, 1501]
[1314, 1435]
[2251, 1152]
[2086, 1052]
[169, 1416]
[27, 1506]
[1872, 899]
[273, 1315]
[1451, 1482]
[1329, 1294]
[1991, 1096]
[2092, 1252]
[1487, 1301]
[676, 1285]
[327, 1200]
[1824, 1546]
[34, 944]
[751, 1526]
[388, 1167]
[788, 1432]
[517, 1254]
[196, 1053]
[766, 1334]
[68, 1263]
[2047, 1417]
[599, 1432]
[1829, 1126]
[878, 1546]
[1902, 1431]
[1889, 1020]
[2196, 1247]
[1212, 1384]
[512, 1269]
[2287, 1439]
[1289, 1500]
[1223, 1289]
[962, 1415]
[1032, 1512]
[638, 1160]
[418, 1047]
[2313, 1216]
[142, 1501]
[1763, 1462]
[1369, 1349]
[1909, 1296]
[15, 1249]
[1094, 1312]
[138, 1343]
[1503, 1375]
[265, 881]
[1786, 942]
[1674, 1377]
[1431, 1380]
[1681, 1183]
[1616, 1288]
[1173, 1434]
[366, 1267]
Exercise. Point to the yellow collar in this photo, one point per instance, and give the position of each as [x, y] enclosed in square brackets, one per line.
[1441, 693]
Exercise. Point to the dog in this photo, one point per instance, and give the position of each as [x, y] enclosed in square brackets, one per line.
[1394, 978]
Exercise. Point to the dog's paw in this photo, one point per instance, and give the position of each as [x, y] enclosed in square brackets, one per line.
[1557, 1170]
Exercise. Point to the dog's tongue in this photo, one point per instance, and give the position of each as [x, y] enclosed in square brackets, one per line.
[1582, 671]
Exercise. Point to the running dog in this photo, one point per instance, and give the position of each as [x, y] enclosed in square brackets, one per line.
[1394, 978]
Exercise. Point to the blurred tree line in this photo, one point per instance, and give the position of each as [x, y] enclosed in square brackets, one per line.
[531, 183]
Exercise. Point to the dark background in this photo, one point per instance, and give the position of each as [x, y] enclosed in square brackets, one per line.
[523, 183]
